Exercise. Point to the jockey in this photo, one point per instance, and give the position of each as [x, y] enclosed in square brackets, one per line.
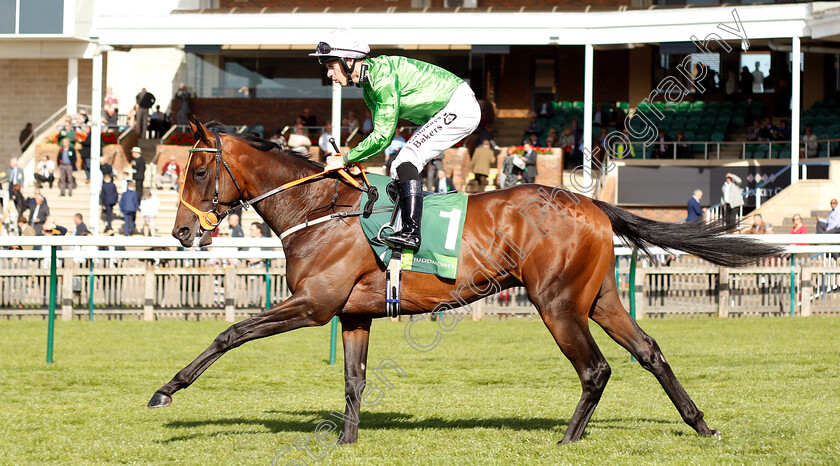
[398, 87]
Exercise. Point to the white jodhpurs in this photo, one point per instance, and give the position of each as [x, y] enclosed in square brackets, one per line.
[457, 120]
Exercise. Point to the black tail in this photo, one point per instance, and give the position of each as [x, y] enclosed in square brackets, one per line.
[703, 240]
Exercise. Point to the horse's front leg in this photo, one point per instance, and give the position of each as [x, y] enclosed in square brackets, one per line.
[299, 310]
[355, 333]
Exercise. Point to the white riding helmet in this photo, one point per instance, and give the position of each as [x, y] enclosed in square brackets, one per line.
[341, 43]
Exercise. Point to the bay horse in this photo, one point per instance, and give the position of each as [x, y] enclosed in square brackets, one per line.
[556, 244]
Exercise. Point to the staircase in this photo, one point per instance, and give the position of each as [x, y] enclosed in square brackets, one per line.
[510, 131]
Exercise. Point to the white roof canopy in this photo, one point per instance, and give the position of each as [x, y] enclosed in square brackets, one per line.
[468, 28]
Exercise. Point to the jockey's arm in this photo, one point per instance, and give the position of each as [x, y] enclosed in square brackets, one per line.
[385, 106]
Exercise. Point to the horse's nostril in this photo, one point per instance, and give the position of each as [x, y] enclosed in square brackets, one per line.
[183, 232]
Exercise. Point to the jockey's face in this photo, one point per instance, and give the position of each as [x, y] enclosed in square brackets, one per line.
[336, 72]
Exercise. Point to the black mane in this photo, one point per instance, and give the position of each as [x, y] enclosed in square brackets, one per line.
[257, 142]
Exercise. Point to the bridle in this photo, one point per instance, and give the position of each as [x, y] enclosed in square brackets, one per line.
[210, 219]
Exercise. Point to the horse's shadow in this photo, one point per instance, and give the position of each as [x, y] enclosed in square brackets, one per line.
[307, 420]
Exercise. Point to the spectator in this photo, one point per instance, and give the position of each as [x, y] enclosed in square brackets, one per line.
[108, 198]
[139, 166]
[617, 117]
[809, 143]
[171, 173]
[104, 165]
[149, 208]
[831, 224]
[128, 206]
[768, 131]
[661, 150]
[265, 230]
[731, 85]
[180, 106]
[25, 229]
[783, 131]
[695, 212]
[367, 124]
[25, 138]
[393, 149]
[15, 175]
[530, 159]
[546, 110]
[351, 122]
[746, 81]
[17, 201]
[110, 98]
[85, 153]
[512, 166]
[145, 100]
[279, 139]
[599, 116]
[534, 127]
[45, 172]
[799, 228]
[66, 165]
[309, 120]
[758, 79]
[299, 141]
[754, 131]
[324, 141]
[235, 227]
[255, 232]
[731, 199]
[444, 183]
[552, 139]
[80, 229]
[758, 226]
[768, 229]
[38, 213]
[67, 132]
[481, 160]
[111, 118]
[683, 150]
[157, 122]
[567, 141]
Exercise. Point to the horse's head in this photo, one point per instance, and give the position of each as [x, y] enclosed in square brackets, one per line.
[208, 189]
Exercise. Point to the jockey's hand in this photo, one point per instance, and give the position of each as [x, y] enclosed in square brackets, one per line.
[334, 162]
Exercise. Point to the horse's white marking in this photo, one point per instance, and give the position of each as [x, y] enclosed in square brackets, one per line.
[363, 366]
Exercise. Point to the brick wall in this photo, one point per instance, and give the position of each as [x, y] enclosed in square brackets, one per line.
[33, 90]
[271, 113]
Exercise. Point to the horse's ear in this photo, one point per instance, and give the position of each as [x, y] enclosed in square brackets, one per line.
[199, 130]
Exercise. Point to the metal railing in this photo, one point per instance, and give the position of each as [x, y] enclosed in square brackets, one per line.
[677, 150]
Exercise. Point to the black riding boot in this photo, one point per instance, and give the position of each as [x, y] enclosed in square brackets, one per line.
[411, 202]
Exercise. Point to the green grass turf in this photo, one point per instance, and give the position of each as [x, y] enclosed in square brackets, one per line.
[490, 393]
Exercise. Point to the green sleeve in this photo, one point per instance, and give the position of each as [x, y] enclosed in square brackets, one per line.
[384, 103]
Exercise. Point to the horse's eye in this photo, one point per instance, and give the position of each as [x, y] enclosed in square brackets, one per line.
[200, 174]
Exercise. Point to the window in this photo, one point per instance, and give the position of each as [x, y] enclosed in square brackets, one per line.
[758, 64]
[8, 13]
[42, 17]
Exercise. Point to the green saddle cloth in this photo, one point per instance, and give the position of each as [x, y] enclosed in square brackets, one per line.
[440, 229]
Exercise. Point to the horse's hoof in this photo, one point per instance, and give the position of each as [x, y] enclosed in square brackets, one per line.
[159, 400]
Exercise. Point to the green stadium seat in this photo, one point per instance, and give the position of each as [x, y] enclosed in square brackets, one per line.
[760, 151]
[624, 106]
[738, 120]
[756, 112]
[727, 105]
[750, 151]
[698, 104]
[714, 105]
[565, 104]
[577, 104]
[556, 105]
[717, 136]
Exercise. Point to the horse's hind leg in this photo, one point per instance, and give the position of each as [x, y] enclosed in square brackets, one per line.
[609, 313]
[573, 337]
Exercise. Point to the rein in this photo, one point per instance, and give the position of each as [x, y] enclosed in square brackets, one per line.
[210, 219]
